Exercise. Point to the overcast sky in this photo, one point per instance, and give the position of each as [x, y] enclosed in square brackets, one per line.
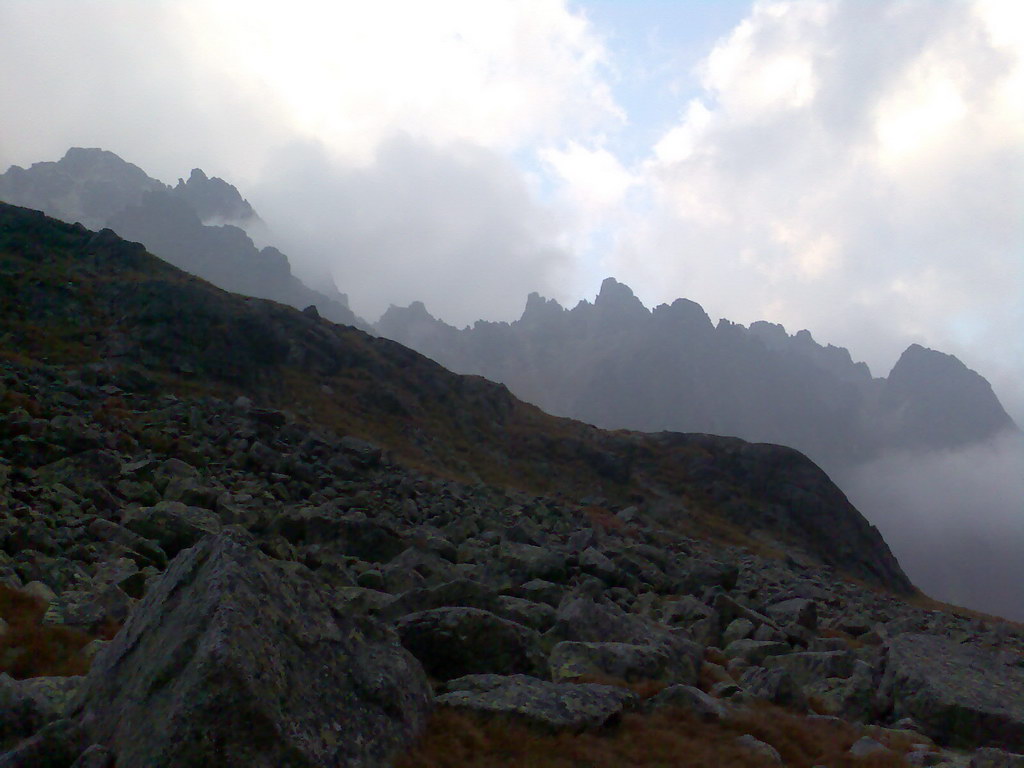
[850, 167]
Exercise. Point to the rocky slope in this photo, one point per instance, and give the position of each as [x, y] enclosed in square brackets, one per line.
[616, 364]
[195, 225]
[305, 540]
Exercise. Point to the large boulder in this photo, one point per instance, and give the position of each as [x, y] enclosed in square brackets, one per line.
[538, 702]
[962, 696]
[774, 685]
[173, 525]
[813, 666]
[453, 642]
[625, 661]
[235, 659]
[27, 705]
[585, 620]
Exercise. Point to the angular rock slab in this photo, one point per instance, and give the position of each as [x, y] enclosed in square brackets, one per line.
[549, 705]
[627, 661]
[235, 659]
[453, 642]
[961, 696]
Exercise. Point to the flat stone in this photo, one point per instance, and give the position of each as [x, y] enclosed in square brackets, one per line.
[556, 706]
[959, 694]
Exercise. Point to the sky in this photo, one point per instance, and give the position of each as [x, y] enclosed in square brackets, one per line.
[852, 167]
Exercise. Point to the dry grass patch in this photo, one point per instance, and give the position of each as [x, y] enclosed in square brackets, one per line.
[31, 649]
[667, 738]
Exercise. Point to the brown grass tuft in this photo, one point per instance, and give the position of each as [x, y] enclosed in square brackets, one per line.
[666, 738]
[31, 649]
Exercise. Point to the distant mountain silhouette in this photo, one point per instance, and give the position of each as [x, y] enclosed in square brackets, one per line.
[616, 364]
[192, 225]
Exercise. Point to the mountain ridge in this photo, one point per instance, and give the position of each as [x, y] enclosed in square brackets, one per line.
[616, 364]
[196, 225]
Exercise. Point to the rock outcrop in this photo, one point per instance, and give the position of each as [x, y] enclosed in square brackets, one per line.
[224, 653]
[962, 696]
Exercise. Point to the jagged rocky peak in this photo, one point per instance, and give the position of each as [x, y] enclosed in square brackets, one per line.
[922, 386]
[616, 301]
[773, 335]
[98, 163]
[413, 322]
[540, 310]
[213, 199]
[88, 185]
[686, 314]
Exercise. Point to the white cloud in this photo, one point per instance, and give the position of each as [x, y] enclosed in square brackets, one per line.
[499, 73]
[451, 225]
[853, 168]
[953, 520]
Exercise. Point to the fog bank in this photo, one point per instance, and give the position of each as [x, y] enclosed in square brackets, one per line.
[954, 519]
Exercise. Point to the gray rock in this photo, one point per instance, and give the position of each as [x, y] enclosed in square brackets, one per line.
[755, 651]
[55, 745]
[538, 616]
[541, 591]
[559, 706]
[596, 563]
[691, 699]
[110, 531]
[531, 562]
[624, 661]
[21, 715]
[96, 756]
[810, 667]
[350, 534]
[852, 698]
[173, 525]
[774, 685]
[924, 757]
[244, 662]
[454, 642]
[456, 593]
[959, 694]
[868, 747]
[797, 610]
[584, 620]
[685, 611]
[766, 752]
[988, 757]
[88, 609]
[738, 629]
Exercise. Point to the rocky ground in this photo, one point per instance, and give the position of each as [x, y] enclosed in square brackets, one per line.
[280, 594]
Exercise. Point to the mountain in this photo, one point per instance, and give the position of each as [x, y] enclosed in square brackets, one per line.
[193, 225]
[618, 365]
[289, 542]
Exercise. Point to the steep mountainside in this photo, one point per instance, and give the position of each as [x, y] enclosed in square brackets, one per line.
[616, 364]
[191, 225]
[84, 297]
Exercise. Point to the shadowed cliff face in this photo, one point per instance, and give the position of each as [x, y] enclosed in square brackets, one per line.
[72, 295]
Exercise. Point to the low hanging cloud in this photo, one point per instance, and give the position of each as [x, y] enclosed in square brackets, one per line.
[954, 520]
[453, 226]
[853, 168]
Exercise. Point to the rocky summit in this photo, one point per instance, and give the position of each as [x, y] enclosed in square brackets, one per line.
[233, 533]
